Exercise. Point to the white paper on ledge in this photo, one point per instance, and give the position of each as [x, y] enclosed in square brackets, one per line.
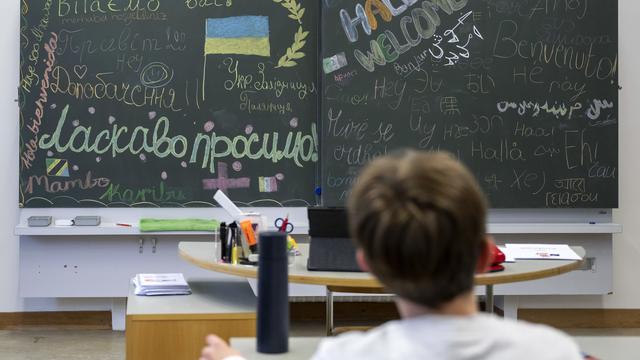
[508, 254]
[542, 252]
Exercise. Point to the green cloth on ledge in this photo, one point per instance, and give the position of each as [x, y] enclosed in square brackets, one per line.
[158, 225]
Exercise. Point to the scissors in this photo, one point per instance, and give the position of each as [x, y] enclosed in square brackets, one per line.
[284, 225]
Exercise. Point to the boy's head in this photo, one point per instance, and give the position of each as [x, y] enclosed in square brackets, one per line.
[419, 220]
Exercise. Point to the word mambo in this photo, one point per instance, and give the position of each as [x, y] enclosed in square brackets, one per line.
[420, 25]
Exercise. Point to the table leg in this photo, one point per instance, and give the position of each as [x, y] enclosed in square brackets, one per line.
[329, 313]
[489, 299]
[509, 305]
[118, 314]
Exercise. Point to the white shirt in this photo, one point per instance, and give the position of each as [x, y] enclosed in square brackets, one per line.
[440, 337]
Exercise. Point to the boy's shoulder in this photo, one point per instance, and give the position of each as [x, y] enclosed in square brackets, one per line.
[477, 337]
[535, 341]
[530, 338]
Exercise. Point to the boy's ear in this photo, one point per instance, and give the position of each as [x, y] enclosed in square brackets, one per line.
[362, 261]
[486, 255]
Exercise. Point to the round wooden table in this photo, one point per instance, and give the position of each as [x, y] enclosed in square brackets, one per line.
[202, 254]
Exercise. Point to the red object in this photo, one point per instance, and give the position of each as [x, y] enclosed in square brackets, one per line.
[125, 225]
[498, 258]
[283, 226]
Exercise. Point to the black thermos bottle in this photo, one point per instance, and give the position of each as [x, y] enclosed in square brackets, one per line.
[273, 294]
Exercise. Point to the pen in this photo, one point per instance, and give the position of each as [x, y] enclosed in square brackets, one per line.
[223, 242]
[247, 229]
[232, 241]
[236, 249]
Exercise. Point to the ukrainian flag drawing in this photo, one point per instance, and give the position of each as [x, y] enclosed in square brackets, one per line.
[239, 35]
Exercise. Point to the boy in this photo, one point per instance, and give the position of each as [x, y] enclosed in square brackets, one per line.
[418, 221]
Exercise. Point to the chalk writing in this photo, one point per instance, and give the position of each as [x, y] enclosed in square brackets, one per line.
[524, 92]
[29, 155]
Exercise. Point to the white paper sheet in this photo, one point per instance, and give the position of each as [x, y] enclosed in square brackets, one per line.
[542, 252]
[508, 255]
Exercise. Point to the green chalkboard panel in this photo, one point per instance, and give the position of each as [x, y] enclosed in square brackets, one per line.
[160, 102]
[525, 92]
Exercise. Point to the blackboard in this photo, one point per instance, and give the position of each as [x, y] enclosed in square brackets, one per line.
[160, 102]
[525, 92]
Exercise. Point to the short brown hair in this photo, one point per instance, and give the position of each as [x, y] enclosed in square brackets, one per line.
[420, 219]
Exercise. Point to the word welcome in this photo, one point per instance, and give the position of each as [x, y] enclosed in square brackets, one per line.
[160, 194]
[85, 7]
[509, 45]
[135, 94]
[296, 146]
[193, 4]
[27, 157]
[260, 82]
[387, 47]
[38, 32]
[366, 15]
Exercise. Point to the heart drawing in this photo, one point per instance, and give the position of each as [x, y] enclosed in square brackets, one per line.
[80, 70]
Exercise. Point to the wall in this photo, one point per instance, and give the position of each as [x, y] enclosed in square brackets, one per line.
[626, 246]
[9, 63]
[626, 249]
[9, 244]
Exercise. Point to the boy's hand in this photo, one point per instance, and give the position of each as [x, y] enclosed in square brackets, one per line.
[217, 349]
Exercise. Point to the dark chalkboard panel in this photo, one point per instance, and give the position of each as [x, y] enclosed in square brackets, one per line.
[159, 102]
[525, 92]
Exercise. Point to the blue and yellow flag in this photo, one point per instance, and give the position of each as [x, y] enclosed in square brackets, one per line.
[239, 35]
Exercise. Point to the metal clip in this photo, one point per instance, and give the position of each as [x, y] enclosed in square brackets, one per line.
[154, 242]
[141, 244]
[589, 264]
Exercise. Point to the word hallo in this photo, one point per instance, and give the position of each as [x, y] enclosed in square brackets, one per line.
[366, 17]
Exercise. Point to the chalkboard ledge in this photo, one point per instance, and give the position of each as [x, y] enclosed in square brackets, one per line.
[493, 228]
[104, 229]
[554, 228]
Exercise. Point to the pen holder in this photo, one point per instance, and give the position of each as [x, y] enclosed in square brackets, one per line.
[273, 294]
